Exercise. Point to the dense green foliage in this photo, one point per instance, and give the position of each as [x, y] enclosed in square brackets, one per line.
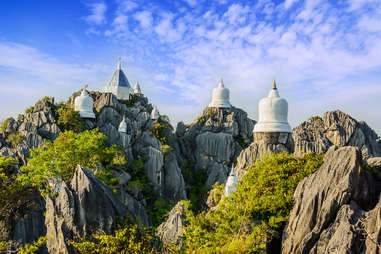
[201, 120]
[68, 119]
[4, 124]
[159, 130]
[58, 159]
[131, 101]
[314, 118]
[13, 195]
[195, 184]
[29, 110]
[29, 248]
[261, 204]
[15, 139]
[131, 239]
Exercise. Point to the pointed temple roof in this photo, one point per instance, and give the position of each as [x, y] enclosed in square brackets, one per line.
[118, 78]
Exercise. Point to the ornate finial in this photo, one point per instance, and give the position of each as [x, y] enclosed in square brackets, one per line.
[119, 63]
[274, 84]
[221, 84]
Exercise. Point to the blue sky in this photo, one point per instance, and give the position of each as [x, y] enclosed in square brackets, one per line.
[325, 55]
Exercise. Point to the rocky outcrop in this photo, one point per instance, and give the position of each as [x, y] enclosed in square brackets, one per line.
[83, 207]
[330, 206]
[214, 141]
[171, 230]
[34, 127]
[335, 128]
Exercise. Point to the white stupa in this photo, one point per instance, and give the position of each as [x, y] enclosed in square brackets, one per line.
[155, 113]
[123, 125]
[220, 96]
[273, 112]
[118, 84]
[137, 88]
[84, 104]
[231, 183]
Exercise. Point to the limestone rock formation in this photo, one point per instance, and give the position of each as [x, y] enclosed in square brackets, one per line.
[263, 144]
[34, 127]
[330, 207]
[335, 128]
[171, 229]
[83, 207]
[214, 141]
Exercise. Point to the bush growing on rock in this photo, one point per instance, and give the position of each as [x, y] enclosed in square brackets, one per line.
[68, 119]
[244, 221]
[4, 124]
[57, 160]
[130, 239]
[15, 139]
[314, 118]
[159, 131]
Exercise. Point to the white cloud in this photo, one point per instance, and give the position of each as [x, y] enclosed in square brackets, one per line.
[144, 18]
[97, 15]
[289, 3]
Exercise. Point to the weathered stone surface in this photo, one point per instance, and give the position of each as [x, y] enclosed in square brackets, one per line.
[214, 141]
[374, 162]
[372, 223]
[336, 128]
[83, 207]
[171, 230]
[329, 204]
[263, 144]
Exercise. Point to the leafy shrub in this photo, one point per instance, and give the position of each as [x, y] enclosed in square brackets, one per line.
[58, 159]
[215, 194]
[165, 149]
[29, 110]
[131, 101]
[13, 195]
[159, 210]
[159, 130]
[68, 119]
[314, 118]
[4, 124]
[131, 239]
[379, 140]
[201, 120]
[107, 177]
[264, 196]
[15, 139]
[31, 248]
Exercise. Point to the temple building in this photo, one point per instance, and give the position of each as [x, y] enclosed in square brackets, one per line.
[273, 113]
[273, 130]
[119, 84]
[220, 96]
[231, 183]
[84, 104]
[137, 89]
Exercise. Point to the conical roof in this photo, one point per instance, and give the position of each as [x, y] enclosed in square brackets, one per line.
[118, 78]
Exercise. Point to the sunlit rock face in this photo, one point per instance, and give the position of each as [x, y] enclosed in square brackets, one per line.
[220, 97]
[119, 84]
[273, 113]
[84, 105]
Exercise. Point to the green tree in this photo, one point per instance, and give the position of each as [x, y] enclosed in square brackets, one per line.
[131, 239]
[68, 119]
[15, 139]
[58, 159]
[13, 195]
[242, 222]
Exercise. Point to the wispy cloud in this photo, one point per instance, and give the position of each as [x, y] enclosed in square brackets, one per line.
[97, 13]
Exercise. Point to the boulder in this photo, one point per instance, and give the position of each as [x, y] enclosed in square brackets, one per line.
[82, 208]
[171, 230]
[329, 205]
[335, 128]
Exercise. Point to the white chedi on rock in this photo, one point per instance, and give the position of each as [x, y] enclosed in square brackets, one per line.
[155, 113]
[123, 125]
[137, 89]
[119, 84]
[231, 183]
[273, 113]
[220, 96]
[84, 104]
